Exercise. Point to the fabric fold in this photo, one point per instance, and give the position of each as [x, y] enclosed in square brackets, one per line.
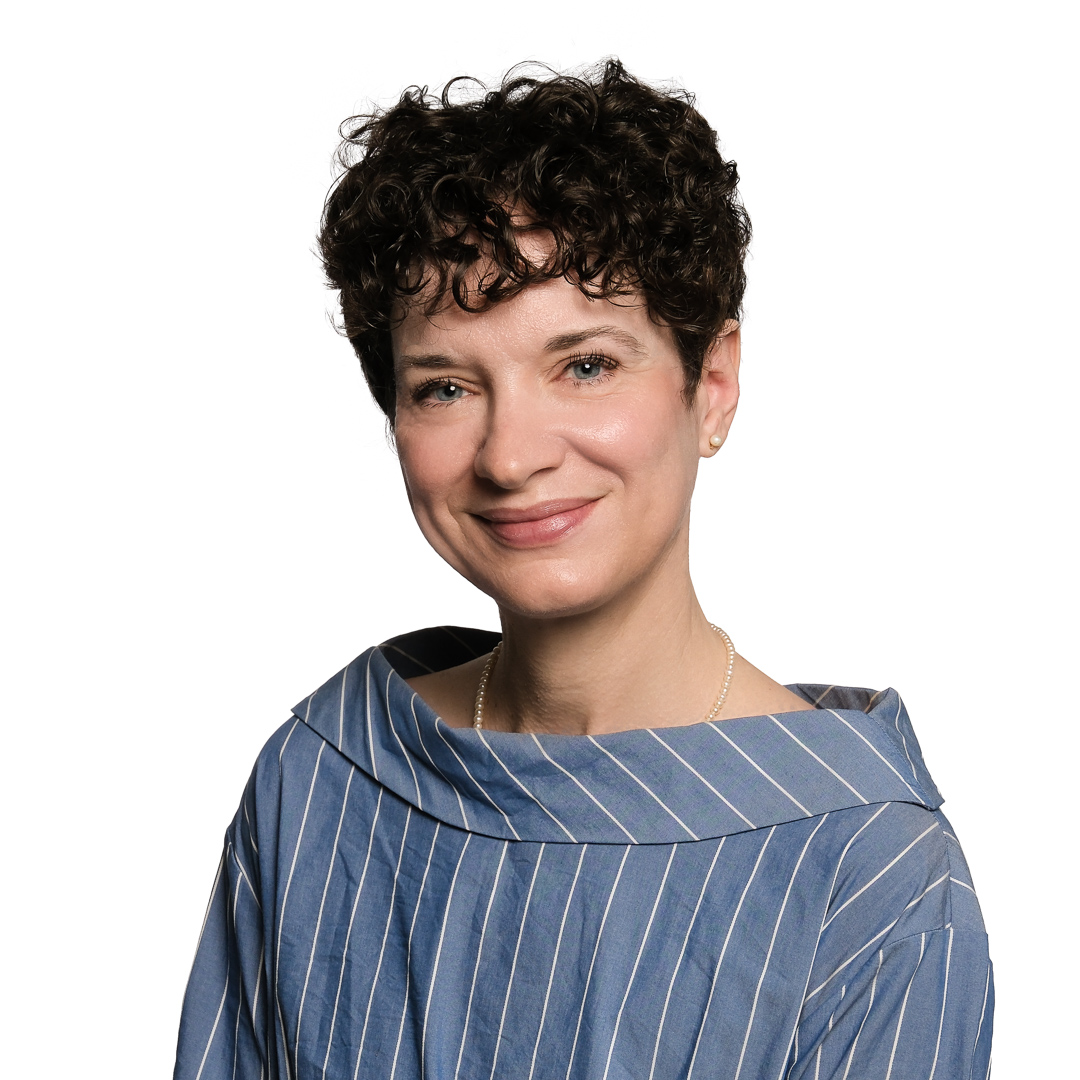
[850, 747]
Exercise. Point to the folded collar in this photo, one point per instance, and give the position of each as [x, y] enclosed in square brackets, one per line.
[849, 747]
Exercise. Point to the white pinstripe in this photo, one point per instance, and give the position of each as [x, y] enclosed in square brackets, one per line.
[382, 948]
[793, 1041]
[408, 948]
[513, 963]
[217, 1019]
[682, 953]
[341, 709]
[401, 746]
[686, 764]
[322, 904]
[592, 962]
[869, 1009]
[637, 960]
[779, 787]
[209, 905]
[772, 944]
[291, 730]
[903, 1006]
[879, 754]
[408, 656]
[555, 958]
[479, 954]
[348, 932]
[285, 900]
[239, 996]
[438, 950]
[881, 873]
[723, 952]
[566, 772]
[431, 760]
[982, 1015]
[491, 751]
[855, 955]
[244, 874]
[933, 885]
[944, 999]
[645, 787]
[255, 1003]
[250, 830]
[903, 738]
[438, 731]
[367, 714]
[791, 735]
[847, 847]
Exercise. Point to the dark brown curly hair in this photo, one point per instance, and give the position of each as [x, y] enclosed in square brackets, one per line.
[626, 179]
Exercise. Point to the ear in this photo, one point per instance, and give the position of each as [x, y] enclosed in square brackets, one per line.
[718, 391]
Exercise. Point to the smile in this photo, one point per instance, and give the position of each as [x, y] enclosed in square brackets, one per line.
[536, 526]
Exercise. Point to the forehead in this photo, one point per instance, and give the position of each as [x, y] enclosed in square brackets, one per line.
[544, 317]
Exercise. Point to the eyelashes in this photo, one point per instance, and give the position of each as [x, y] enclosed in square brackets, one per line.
[423, 394]
[582, 369]
[604, 365]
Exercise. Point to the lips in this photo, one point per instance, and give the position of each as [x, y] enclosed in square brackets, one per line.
[535, 526]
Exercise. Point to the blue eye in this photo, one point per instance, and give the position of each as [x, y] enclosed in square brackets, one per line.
[585, 370]
[446, 392]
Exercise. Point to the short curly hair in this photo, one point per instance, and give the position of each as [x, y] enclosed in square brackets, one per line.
[626, 179]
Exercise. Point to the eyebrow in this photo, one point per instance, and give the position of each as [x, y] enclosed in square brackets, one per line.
[562, 342]
[427, 360]
[559, 343]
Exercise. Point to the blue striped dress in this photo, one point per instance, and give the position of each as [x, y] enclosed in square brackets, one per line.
[764, 898]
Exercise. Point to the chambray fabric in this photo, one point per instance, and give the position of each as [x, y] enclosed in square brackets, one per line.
[765, 897]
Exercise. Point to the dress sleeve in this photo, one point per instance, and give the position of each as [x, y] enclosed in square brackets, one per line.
[920, 1007]
[225, 1031]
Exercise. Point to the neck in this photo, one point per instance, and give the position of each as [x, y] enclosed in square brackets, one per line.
[649, 658]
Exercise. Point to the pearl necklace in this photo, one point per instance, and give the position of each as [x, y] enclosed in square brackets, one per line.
[489, 667]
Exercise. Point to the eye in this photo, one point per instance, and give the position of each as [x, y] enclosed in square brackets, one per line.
[438, 392]
[589, 368]
[447, 391]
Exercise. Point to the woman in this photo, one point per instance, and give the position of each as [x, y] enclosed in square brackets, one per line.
[600, 844]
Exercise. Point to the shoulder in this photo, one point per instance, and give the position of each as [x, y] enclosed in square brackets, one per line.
[297, 773]
[899, 871]
[901, 896]
[291, 750]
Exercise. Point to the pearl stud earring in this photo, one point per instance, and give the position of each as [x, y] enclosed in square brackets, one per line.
[715, 441]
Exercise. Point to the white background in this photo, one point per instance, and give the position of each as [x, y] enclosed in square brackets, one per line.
[197, 489]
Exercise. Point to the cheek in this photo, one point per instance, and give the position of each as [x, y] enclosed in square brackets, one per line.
[648, 446]
[429, 471]
[429, 483]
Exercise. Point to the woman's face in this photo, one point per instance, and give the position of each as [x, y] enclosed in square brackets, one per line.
[547, 445]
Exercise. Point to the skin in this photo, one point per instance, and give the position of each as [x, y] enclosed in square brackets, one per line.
[554, 401]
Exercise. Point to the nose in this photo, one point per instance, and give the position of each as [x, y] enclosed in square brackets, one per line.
[519, 440]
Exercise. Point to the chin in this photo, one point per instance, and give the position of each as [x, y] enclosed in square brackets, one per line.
[551, 595]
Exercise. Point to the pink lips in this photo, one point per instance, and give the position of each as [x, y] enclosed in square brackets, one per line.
[533, 526]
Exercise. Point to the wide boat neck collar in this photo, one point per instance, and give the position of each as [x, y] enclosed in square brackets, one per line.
[650, 786]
